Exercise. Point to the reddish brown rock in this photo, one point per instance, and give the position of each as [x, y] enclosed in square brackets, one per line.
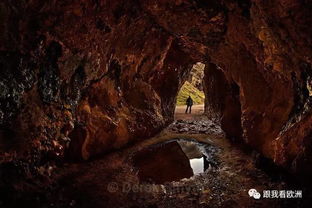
[113, 69]
[162, 164]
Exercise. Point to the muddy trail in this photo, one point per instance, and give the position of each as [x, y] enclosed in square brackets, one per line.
[189, 164]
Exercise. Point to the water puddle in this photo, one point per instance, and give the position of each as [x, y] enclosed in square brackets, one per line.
[172, 161]
[197, 165]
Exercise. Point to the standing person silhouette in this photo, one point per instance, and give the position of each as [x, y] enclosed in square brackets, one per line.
[189, 103]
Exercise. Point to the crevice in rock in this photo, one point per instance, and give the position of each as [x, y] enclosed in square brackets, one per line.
[302, 96]
[49, 81]
[71, 92]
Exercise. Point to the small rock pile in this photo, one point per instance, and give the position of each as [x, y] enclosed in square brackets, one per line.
[195, 127]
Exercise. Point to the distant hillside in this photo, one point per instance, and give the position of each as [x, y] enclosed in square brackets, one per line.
[189, 90]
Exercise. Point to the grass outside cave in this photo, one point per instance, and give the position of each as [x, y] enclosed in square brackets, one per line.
[188, 89]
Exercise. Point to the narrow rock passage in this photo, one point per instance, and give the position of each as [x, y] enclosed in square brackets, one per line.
[113, 181]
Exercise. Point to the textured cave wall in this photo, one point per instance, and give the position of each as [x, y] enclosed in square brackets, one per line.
[266, 65]
[81, 78]
[222, 103]
[215, 88]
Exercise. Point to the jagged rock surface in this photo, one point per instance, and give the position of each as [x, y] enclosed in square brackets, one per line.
[81, 78]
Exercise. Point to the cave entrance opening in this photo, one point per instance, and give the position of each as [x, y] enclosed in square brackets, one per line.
[192, 87]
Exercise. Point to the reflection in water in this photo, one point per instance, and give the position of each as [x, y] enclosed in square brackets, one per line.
[170, 161]
[196, 154]
[197, 164]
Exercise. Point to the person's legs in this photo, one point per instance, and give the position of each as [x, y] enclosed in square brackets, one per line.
[190, 109]
[186, 108]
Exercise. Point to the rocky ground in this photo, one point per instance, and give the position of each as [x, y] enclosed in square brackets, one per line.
[112, 180]
[194, 127]
[92, 77]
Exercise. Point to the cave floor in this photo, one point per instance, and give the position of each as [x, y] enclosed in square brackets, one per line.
[197, 111]
[113, 181]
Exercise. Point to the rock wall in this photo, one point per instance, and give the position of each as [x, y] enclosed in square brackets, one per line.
[196, 76]
[85, 76]
[261, 55]
[222, 103]
[81, 78]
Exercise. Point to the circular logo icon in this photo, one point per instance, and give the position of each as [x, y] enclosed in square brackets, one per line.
[254, 193]
[251, 192]
[257, 195]
[112, 187]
